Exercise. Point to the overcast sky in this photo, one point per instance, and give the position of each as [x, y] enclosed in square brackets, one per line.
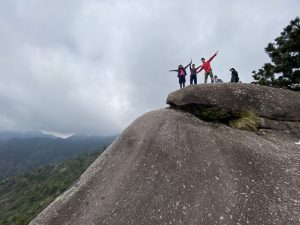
[93, 66]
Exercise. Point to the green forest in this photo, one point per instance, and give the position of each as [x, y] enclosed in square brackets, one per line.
[23, 197]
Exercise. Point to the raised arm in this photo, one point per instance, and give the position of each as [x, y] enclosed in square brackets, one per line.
[191, 64]
[200, 70]
[214, 55]
[188, 65]
[198, 67]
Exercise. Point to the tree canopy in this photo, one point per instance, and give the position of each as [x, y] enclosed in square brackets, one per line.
[284, 68]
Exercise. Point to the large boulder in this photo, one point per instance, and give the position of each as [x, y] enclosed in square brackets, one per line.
[169, 167]
[271, 103]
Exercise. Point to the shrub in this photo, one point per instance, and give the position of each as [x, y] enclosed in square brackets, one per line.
[246, 121]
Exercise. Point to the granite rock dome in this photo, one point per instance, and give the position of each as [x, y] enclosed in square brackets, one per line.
[171, 167]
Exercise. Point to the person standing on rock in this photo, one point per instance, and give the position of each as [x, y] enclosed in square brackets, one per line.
[193, 77]
[181, 73]
[207, 68]
[234, 76]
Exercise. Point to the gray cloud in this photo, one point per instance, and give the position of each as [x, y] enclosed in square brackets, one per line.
[94, 66]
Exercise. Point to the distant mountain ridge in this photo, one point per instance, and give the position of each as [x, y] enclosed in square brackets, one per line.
[6, 135]
[19, 155]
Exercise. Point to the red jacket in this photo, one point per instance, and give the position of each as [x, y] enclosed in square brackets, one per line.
[206, 66]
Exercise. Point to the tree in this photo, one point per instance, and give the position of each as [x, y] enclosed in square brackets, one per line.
[285, 60]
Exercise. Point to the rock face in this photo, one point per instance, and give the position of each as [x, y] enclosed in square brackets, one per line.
[170, 167]
[271, 103]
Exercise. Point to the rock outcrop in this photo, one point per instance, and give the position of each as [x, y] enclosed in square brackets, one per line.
[278, 109]
[271, 103]
[170, 167]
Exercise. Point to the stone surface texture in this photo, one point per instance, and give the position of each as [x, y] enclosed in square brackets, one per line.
[170, 167]
[271, 103]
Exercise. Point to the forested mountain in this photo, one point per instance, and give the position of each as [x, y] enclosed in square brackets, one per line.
[6, 135]
[23, 197]
[22, 155]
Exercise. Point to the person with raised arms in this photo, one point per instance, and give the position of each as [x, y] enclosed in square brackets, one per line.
[193, 77]
[207, 68]
[181, 73]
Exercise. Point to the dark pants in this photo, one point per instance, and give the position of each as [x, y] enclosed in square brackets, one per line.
[234, 79]
[181, 81]
[193, 78]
